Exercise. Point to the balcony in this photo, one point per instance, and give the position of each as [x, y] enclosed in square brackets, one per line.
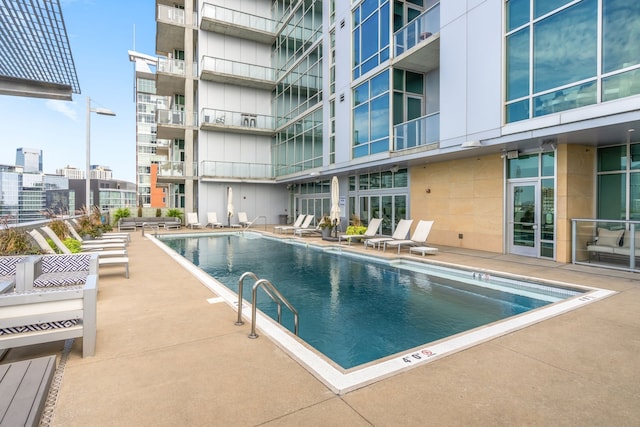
[171, 123]
[423, 132]
[176, 171]
[241, 172]
[233, 23]
[237, 73]
[170, 25]
[236, 122]
[417, 44]
[171, 74]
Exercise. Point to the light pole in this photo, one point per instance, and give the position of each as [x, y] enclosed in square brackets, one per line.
[104, 112]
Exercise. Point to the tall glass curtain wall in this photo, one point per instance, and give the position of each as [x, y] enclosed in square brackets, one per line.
[297, 57]
[380, 195]
[619, 182]
[550, 69]
[541, 167]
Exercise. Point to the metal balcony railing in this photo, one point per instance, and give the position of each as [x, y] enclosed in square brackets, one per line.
[177, 169]
[238, 18]
[418, 132]
[606, 243]
[173, 117]
[174, 15]
[234, 118]
[257, 171]
[238, 69]
[418, 30]
[175, 66]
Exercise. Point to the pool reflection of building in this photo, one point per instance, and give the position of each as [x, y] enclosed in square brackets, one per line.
[439, 111]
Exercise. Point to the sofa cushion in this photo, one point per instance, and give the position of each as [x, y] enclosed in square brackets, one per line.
[609, 237]
[39, 327]
[627, 240]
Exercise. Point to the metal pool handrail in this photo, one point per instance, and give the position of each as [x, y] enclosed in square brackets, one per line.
[268, 288]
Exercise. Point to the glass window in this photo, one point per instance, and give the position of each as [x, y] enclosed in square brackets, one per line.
[634, 196]
[612, 196]
[524, 167]
[621, 85]
[635, 156]
[518, 64]
[621, 24]
[542, 7]
[370, 35]
[548, 164]
[517, 13]
[612, 159]
[574, 52]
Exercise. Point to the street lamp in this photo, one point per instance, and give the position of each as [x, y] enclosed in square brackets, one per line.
[104, 112]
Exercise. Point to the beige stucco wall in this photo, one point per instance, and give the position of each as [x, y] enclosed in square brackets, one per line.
[463, 196]
[576, 196]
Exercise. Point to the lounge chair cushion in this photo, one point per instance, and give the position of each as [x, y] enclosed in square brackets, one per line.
[39, 327]
[609, 237]
[61, 278]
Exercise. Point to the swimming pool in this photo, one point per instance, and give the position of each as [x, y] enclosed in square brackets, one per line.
[357, 310]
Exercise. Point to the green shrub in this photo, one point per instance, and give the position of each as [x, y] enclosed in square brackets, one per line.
[14, 241]
[121, 213]
[53, 246]
[158, 212]
[174, 213]
[60, 228]
[73, 245]
[356, 229]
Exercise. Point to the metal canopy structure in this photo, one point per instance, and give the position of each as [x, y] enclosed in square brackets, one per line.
[35, 57]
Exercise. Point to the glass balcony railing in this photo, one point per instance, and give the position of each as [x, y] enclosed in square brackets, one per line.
[234, 118]
[421, 28]
[177, 169]
[237, 18]
[422, 131]
[606, 243]
[173, 117]
[238, 69]
[174, 15]
[258, 171]
[175, 66]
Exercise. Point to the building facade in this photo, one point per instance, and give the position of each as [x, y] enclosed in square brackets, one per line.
[30, 159]
[486, 116]
[150, 151]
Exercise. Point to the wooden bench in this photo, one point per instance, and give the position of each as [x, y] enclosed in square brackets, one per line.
[49, 315]
[24, 387]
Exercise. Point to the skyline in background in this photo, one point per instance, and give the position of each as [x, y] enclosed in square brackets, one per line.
[100, 34]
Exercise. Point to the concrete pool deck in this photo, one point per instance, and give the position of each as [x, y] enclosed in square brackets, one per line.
[165, 355]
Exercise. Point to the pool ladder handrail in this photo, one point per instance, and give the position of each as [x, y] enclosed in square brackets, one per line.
[269, 290]
[249, 224]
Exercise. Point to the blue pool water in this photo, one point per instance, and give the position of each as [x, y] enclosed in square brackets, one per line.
[354, 309]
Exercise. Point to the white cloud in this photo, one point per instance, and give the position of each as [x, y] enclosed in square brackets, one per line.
[63, 107]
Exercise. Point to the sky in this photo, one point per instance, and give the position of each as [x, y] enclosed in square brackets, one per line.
[100, 34]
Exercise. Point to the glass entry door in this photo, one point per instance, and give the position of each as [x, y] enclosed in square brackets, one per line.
[523, 233]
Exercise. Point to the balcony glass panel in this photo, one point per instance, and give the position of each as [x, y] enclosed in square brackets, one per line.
[238, 18]
[177, 169]
[417, 30]
[234, 118]
[414, 133]
[241, 69]
[237, 170]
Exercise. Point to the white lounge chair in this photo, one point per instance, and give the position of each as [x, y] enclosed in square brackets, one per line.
[212, 220]
[99, 250]
[402, 230]
[192, 220]
[302, 231]
[418, 238]
[101, 241]
[305, 224]
[243, 220]
[372, 231]
[295, 225]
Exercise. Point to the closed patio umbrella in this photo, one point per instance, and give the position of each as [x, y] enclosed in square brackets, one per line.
[335, 202]
[229, 205]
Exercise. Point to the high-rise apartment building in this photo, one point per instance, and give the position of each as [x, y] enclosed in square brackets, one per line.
[71, 172]
[487, 116]
[150, 151]
[30, 159]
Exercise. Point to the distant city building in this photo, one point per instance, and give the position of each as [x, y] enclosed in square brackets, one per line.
[106, 194]
[30, 159]
[71, 172]
[101, 172]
